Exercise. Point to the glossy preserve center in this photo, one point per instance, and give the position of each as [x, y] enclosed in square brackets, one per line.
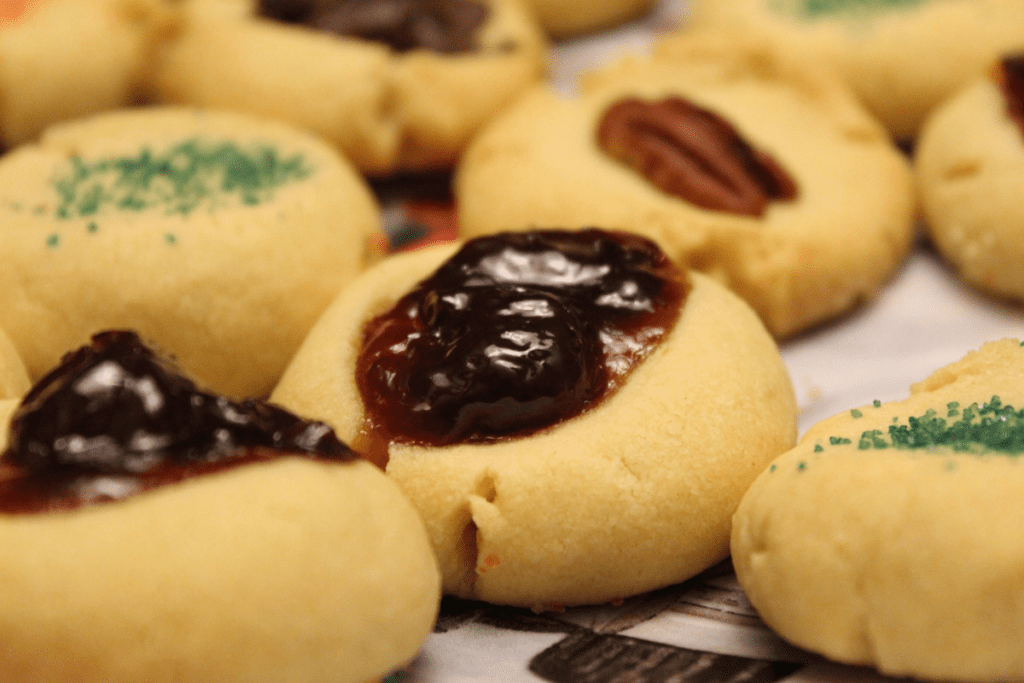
[114, 419]
[515, 333]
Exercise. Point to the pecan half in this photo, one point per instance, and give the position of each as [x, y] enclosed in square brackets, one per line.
[444, 26]
[693, 153]
[1009, 74]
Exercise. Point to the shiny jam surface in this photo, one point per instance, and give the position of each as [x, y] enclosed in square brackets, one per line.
[115, 419]
[443, 26]
[515, 333]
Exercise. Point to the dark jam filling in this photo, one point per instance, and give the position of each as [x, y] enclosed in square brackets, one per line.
[115, 419]
[443, 26]
[513, 334]
[1010, 74]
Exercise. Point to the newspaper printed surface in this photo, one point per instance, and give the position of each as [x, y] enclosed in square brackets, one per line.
[703, 630]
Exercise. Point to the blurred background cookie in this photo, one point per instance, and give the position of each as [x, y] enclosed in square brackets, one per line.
[62, 59]
[585, 424]
[400, 85]
[567, 18]
[888, 537]
[219, 237]
[902, 58]
[969, 164]
[762, 173]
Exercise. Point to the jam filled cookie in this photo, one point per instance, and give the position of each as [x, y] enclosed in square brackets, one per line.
[63, 59]
[220, 237]
[566, 18]
[398, 85]
[152, 531]
[902, 57]
[738, 163]
[890, 535]
[969, 164]
[574, 417]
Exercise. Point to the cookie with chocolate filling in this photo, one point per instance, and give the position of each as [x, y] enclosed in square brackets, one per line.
[573, 416]
[969, 166]
[221, 237]
[902, 57]
[62, 59]
[151, 530]
[396, 85]
[760, 172]
[890, 536]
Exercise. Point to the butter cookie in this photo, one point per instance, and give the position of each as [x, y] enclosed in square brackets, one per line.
[153, 531]
[398, 89]
[217, 236]
[902, 57]
[573, 417]
[969, 167]
[890, 537]
[64, 59]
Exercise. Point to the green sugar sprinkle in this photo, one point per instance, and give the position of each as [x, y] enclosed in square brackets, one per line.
[817, 9]
[987, 428]
[856, 413]
[876, 403]
[187, 176]
[773, 467]
[171, 238]
[818, 448]
[52, 240]
[801, 465]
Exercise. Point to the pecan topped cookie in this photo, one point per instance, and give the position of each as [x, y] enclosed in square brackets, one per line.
[737, 161]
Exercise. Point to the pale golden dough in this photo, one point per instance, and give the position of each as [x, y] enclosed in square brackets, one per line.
[14, 381]
[633, 495]
[567, 18]
[386, 111]
[229, 286]
[802, 263]
[292, 571]
[908, 560]
[902, 60]
[969, 165]
[68, 58]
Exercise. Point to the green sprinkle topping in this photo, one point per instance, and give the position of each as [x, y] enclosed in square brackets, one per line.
[171, 238]
[773, 467]
[52, 240]
[189, 175]
[816, 9]
[801, 466]
[986, 428]
[872, 438]
[856, 413]
[92, 227]
[876, 403]
[818, 448]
